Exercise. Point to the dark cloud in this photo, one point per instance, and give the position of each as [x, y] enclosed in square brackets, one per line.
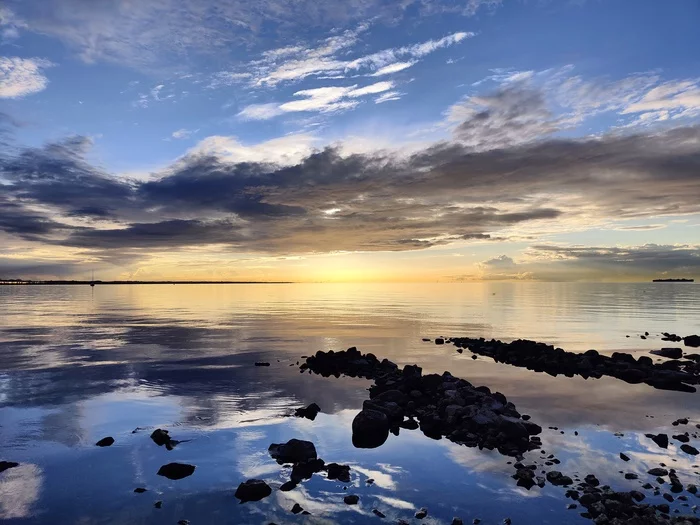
[363, 202]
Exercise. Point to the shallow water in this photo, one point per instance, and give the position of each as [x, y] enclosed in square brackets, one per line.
[80, 363]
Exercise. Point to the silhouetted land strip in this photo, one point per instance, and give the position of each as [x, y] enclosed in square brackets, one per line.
[673, 280]
[673, 374]
[16, 282]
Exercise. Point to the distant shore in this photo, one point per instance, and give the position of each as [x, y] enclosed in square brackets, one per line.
[18, 282]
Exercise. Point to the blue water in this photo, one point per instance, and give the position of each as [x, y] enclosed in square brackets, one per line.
[78, 364]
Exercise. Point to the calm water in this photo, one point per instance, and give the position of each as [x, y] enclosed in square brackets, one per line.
[78, 364]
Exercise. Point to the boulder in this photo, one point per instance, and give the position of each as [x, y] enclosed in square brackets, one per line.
[105, 442]
[558, 479]
[293, 451]
[176, 470]
[351, 499]
[658, 471]
[688, 449]
[252, 490]
[659, 439]
[692, 340]
[310, 412]
[671, 353]
[339, 472]
[370, 429]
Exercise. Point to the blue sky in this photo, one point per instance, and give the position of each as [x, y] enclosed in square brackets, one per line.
[162, 102]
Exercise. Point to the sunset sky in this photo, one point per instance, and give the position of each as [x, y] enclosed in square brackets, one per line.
[353, 140]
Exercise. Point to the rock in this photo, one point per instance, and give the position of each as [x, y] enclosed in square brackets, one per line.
[339, 472]
[663, 507]
[370, 429]
[439, 341]
[305, 469]
[659, 439]
[297, 509]
[293, 451]
[658, 471]
[262, 363]
[409, 424]
[183, 522]
[671, 353]
[176, 470]
[105, 442]
[289, 485]
[310, 412]
[591, 480]
[525, 477]
[4, 465]
[161, 437]
[624, 457]
[636, 495]
[558, 479]
[158, 504]
[422, 513]
[571, 506]
[631, 475]
[692, 340]
[139, 490]
[252, 490]
[688, 449]
[457, 521]
[351, 499]
[378, 513]
[682, 438]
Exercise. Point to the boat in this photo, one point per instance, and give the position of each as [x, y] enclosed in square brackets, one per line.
[674, 280]
[92, 282]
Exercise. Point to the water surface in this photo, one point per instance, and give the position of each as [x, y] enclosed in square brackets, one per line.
[80, 363]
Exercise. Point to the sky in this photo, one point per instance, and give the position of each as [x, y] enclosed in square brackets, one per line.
[354, 140]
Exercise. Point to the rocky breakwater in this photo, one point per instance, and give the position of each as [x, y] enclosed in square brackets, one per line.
[673, 374]
[440, 405]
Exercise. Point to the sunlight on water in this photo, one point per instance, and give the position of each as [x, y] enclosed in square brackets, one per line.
[80, 363]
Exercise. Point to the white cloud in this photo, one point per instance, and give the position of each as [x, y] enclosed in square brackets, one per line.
[324, 100]
[9, 25]
[22, 76]
[284, 150]
[392, 68]
[183, 133]
[295, 63]
[387, 97]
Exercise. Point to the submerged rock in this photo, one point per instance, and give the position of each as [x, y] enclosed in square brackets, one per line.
[370, 429]
[310, 412]
[176, 471]
[252, 490]
[4, 465]
[105, 442]
[293, 451]
[422, 513]
[162, 438]
[351, 499]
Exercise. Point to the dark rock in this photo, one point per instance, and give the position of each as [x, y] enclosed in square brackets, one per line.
[4, 465]
[176, 470]
[409, 424]
[668, 497]
[252, 490]
[689, 449]
[105, 442]
[139, 490]
[525, 477]
[183, 522]
[310, 412]
[378, 513]
[558, 479]
[297, 509]
[624, 457]
[289, 485]
[658, 471]
[439, 341]
[351, 499]
[158, 504]
[591, 480]
[161, 437]
[682, 438]
[659, 439]
[671, 353]
[293, 451]
[370, 429]
[636, 495]
[262, 363]
[692, 340]
[422, 513]
[339, 472]
[457, 521]
[631, 475]
[305, 469]
[663, 507]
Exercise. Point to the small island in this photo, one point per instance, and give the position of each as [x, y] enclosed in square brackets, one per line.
[673, 280]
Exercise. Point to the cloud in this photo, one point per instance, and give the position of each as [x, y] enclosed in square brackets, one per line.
[183, 133]
[22, 76]
[328, 58]
[388, 97]
[392, 68]
[322, 99]
[10, 25]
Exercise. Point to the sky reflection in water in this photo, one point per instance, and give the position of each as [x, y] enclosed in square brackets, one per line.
[80, 364]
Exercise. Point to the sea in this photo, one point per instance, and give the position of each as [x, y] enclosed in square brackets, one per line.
[80, 363]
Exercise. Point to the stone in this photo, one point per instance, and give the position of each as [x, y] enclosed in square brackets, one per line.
[339, 472]
[176, 471]
[351, 499]
[660, 439]
[293, 451]
[457, 521]
[297, 509]
[158, 504]
[4, 465]
[262, 363]
[139, 490]
[671, 353]
[422, 513]
[689, 449]
[252, 490]
[558, 479]
[378, 513]
[370, 429]
[658, 471]
[105, 442]
[692, 340]
[288, 485]
[309, 412]
[161, 437]
[631, 475]
[624, 457]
